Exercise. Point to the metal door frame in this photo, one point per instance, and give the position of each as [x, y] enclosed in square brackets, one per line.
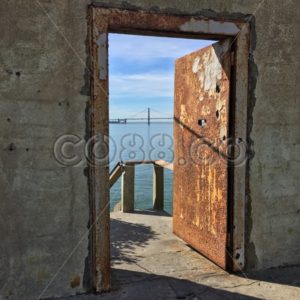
[103, 21]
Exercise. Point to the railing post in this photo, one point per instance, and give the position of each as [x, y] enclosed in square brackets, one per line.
[127, 189]
[158, 187]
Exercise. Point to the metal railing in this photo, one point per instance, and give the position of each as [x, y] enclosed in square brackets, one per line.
[126, 170]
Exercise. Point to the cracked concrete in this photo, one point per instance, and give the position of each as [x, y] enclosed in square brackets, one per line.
[150, 262]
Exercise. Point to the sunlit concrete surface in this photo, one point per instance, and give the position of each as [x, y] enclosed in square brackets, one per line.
[149, 262]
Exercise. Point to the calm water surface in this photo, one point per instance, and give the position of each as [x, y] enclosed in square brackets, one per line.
[140, 141]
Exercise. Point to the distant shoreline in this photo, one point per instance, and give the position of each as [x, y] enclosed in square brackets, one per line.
[132, 122]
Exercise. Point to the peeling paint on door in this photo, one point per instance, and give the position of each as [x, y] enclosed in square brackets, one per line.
[200, 133]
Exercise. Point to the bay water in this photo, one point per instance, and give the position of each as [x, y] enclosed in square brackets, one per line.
[140, 141]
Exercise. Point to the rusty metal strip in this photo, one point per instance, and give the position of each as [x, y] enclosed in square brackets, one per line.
[162, 24]
[240, 133]
[99, 183]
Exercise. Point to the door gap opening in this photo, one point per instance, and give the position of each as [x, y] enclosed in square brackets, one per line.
[142, 73]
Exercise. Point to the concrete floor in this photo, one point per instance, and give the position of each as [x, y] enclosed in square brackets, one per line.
[149, 262]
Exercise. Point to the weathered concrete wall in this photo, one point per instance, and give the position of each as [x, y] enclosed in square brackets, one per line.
[44, 211]
[44, 206]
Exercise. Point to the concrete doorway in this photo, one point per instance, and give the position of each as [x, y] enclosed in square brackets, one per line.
[103, 21]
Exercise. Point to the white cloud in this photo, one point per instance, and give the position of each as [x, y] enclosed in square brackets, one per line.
[129, 47]
[142, 85]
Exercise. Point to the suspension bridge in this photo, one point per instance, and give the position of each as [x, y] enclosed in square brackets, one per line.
[138, 117]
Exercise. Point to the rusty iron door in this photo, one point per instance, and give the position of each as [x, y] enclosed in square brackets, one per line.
[201, 135]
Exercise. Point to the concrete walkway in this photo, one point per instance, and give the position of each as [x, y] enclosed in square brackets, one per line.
[149, 262]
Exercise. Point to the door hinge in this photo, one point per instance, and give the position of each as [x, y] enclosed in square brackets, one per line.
[228, 240]
[232, 58]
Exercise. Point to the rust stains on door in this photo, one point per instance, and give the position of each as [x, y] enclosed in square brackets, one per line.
[201, 129]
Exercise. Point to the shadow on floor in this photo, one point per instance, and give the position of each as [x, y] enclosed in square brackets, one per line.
[125, 237]
[137, 285]
[282, 275]
[152, 212]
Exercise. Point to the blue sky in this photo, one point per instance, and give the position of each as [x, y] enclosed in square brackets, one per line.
[142, 73]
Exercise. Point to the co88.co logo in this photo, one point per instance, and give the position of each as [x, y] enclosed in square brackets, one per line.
[161, 147]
